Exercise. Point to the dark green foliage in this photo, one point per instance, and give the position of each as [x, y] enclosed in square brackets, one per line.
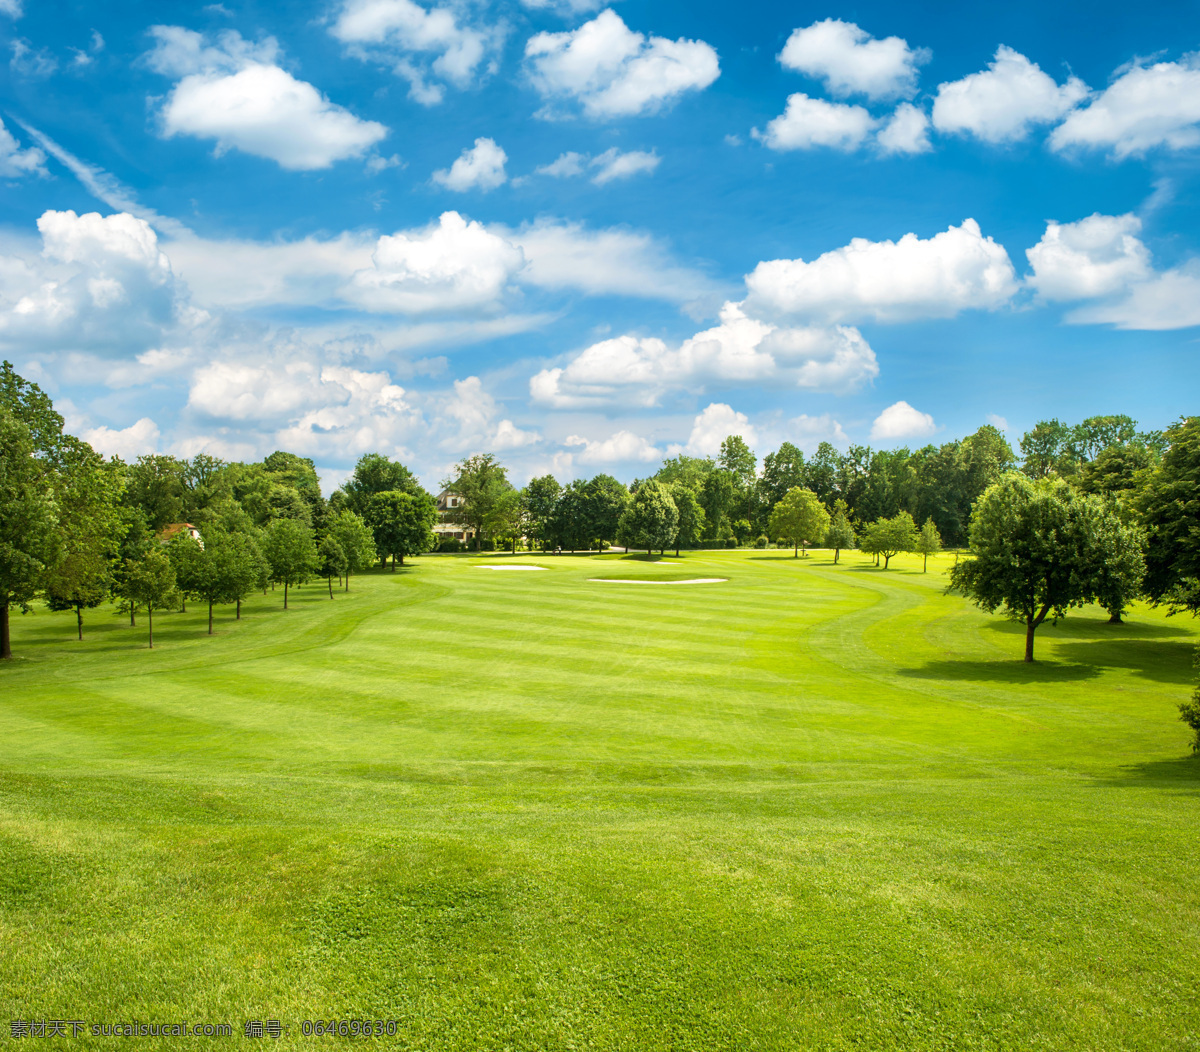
[840, 534]
[356, 540]
[890, 537]
[150, 582]
[1040, 548]
[651, 521]
[800, 518]
[375, 473]
[1171, 515]
[290, 552]
[402, 524]
[540, 498]
[481, 481]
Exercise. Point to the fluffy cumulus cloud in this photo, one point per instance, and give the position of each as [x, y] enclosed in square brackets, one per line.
[606, 167]
[480, 167]
[1169, 300]
[1003, 102]
[12, 8]
[958, 269]
[559, 7]
[455, 265]
[233, 92]
[901, 421]
[16, 162]
[129, 443]
[101, 285]
[630, 371]
[621, 447]
[608, 70]
[807, 123]
[713, 425]
[850, 61]
[1144, 108]
[907, 131]
[1093, 257]
[470, 418]
[427, 47]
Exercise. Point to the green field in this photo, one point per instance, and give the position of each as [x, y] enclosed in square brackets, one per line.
[811, 807]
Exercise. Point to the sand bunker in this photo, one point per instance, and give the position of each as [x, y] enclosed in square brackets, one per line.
[510, 567]
[643, 580]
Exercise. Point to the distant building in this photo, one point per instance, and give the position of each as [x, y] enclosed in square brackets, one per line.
[447, 501]
[168, 533]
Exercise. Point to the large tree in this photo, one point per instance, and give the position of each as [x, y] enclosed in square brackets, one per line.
[150, 582]
[840, 534]
[1040, 548]
[539, 498]
[289, 548]
[929, 542]
[605, 501]
[800, 518]
[782, 470]
[691, 517]
[375, 473]
[354, 537]
[402, 524]
[481, 481]
[29, 534]
[1170, 507]
[333, 561]
[651, 520]
[890, 537]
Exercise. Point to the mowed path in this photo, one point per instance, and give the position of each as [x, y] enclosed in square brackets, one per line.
[807, 807]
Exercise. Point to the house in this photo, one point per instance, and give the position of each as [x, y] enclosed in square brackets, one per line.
[168, 533]
[447, 501]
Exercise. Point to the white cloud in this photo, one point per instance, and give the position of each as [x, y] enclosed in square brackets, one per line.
[1169, 300]
[850, 61]
[808, 432]
[631, 371]
[480, 167]
[713, 425]
[958, 269]
[455, 265]
[906, 132]
[1145, 107]
[471, 413]
[606, 262]
[901, 420]
[807, 123]
[562, 7]
[611, 164]
[235, 94]
[12, 8]
[997, 421]
[15, 162]
[1001, 103]
[1092, 257]
[30, 63]
[611, 71]
[622, 447]
[128, 443]
[403, 34]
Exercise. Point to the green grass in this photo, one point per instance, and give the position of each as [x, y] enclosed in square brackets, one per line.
[812, 807]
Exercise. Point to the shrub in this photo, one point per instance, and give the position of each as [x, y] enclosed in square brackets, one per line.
[762, 541]
[451, 544]
[731, 542]
[1189, 712]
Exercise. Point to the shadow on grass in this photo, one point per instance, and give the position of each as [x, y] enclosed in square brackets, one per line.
[643, 558]
[1164, 661]
[1015, 672]
[1095, 628]
[1182, 775]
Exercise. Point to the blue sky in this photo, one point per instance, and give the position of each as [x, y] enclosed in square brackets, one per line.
[588, 236]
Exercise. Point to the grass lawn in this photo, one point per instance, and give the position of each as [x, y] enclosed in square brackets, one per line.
[809, 807]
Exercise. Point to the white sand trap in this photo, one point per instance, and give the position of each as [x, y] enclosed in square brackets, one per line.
[630, 580]
[510, 567]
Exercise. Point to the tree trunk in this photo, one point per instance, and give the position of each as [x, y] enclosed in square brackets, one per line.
[285, 591]
[1115, 618]
[796, 552]
[886, 559]
[925, 564]
[239, 610]
[394, 560]
[132, 612]
[836, 553]
[5, 642]
[210, 603]
[347, 580]
[1030, 627]
[329, 579]
[150, 619]
[79, 619]
[182, 603]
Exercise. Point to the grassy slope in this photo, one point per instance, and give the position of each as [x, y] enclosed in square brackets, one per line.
[814, 807]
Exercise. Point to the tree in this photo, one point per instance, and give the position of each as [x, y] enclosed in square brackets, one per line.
[155, 484]
[738, 459]
[28, 522]
[480, 481]
[187, 561]
[539, 499]
[889, 537]
[799, 518]
[605, 501]
[290, 552]
[333, 561]
[375, 473]
[506, 518]
[89, 528]
[1040, 548]
[1170, 509]
[570, 526]
[716, 496]
[691, 517]
[782, 471]
[840, 534]
[150, 581]
[651, 520]
[223, 571]
[1043, 449]
[356, 541]
[245, 569]
[929, 541]
[402, 524]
